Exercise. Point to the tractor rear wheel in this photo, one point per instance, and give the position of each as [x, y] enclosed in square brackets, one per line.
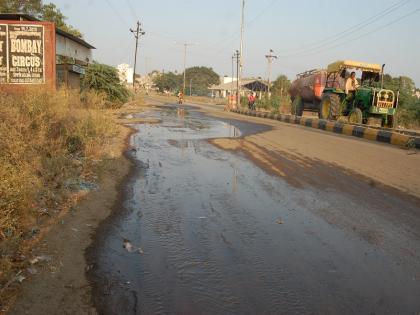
[356, 116]
[297, 106]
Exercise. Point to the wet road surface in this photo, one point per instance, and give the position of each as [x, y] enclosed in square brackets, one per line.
[211, 232]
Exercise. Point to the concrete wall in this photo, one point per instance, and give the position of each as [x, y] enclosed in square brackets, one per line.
[67, 47]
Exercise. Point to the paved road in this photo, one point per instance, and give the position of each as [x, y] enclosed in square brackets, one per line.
[227, 216]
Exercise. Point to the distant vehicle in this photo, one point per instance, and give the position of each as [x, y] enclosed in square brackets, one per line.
[371, 104]
[306, 91]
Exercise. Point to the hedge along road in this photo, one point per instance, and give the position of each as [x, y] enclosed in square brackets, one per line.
[213, 223]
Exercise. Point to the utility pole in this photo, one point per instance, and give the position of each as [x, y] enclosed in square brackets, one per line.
[270, 57]
[190, 86]
[241, 48]
[231, 86]
[137, 33]
[185, 62]
[237, 57]
[146, 75]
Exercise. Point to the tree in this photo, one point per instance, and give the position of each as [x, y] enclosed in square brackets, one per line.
[281, 86]
[168, 82]
[404, 85]
[47, 12]
[103, 78]
[51, 13]
[32, 7]
[201, 78]
[408, 112]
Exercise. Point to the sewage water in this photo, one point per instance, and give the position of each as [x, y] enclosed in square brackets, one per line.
[218, 235]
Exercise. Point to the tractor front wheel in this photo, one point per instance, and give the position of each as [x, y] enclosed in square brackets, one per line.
[356, 116]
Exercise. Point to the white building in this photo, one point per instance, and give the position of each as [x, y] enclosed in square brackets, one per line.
[226, 79]
[126, 73]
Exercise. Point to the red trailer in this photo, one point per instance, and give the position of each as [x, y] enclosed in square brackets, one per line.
[306, 91]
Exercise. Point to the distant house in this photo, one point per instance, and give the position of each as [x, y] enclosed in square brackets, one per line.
[72, 53]
[417, 93]
[126, 73]
[247, 85]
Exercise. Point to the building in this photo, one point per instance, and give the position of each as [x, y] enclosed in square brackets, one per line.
[247, 85]
[71, 54]
[126, 73]
[227, 79]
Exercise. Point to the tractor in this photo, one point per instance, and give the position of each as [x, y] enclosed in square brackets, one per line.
[370, 103]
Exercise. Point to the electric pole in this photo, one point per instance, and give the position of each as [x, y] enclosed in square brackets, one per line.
[241, 48]
[185, 62]
[190, 86]
[270, 57]
[231, 86]
[237, 57]
[137, 33]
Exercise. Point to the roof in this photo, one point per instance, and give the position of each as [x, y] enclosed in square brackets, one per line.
[27, 17]
[244, 83]
[342, 64]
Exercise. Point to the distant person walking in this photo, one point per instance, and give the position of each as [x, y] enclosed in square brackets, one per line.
[251, 101]
[180, 97]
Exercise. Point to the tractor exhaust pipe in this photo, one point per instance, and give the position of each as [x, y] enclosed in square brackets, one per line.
[382, 76]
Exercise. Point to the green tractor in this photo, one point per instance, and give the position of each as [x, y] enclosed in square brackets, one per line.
[370, 103]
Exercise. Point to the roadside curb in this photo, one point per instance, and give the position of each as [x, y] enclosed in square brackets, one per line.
[373, 134]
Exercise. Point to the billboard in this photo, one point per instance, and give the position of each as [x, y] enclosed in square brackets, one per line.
[27, 55]
[3, 54]
[22, 54]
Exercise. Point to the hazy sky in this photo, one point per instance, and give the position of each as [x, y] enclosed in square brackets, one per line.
[305, 34]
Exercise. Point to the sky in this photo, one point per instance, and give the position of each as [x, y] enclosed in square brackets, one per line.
[304, 34]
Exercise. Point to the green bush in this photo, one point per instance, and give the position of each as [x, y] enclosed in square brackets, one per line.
[104, 79]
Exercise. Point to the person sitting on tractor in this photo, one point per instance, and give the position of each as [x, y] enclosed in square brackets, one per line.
[351, 86]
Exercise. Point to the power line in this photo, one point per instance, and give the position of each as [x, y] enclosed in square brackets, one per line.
[131, 9]
[117, 14]
[348, 31]
[364, 34]
[261, 12]
[249, 24]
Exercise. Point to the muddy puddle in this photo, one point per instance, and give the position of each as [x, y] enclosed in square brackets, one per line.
[205, 231]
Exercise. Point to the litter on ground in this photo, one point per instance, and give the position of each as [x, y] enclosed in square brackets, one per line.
[131, 248]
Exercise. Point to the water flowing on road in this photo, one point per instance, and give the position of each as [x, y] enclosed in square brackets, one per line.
[207, 231]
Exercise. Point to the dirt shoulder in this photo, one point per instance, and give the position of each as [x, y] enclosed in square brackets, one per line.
[56, 283]
[61, 287]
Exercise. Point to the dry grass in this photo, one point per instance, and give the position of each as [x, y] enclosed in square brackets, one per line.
[48, 143]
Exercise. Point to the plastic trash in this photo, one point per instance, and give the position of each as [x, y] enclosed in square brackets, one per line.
[131, 248]
[39, 259]
[20, 278]
[87, 186]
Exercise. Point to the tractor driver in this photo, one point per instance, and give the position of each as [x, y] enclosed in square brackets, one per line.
[351, 86]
